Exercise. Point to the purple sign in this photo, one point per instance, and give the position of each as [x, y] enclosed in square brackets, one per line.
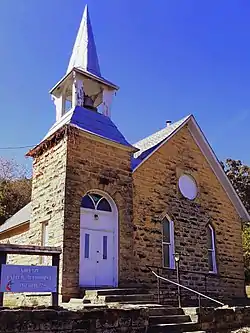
[18, 279]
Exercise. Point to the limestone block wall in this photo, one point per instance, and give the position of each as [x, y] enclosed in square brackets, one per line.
[48, 189]
[93, 164]
[112, 320]
[85, 321]
[156, 194]
[21, 235]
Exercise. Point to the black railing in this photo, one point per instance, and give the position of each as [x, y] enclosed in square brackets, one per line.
[189, 289]
[158, 272]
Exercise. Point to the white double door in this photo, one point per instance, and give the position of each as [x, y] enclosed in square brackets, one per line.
[97, 256]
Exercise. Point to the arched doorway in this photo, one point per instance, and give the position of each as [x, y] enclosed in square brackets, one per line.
[98, 241]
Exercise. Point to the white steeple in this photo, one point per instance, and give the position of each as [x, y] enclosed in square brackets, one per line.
[83, 84]
[84, 55]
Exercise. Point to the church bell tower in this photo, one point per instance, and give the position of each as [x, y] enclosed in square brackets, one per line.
[83, 84]
[84, 154]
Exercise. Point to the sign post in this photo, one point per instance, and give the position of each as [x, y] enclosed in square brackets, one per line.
[20, 278]
[3, 259]
[55, 263]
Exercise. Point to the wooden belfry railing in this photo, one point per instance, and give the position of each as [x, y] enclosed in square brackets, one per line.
[53, 252]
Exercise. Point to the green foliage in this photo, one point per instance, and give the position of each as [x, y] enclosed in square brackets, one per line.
[239, 175]
[246, 249]
[15, 188]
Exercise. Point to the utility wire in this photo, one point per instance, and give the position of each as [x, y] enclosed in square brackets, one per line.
[20, 147]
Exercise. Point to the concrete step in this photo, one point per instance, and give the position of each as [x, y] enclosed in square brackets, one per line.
[177, 319]
[174, 328]
[142, 303]
[165, 311]
[116, 291]
[127, 298]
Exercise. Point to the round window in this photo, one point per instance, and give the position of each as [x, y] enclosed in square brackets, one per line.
[188, 187]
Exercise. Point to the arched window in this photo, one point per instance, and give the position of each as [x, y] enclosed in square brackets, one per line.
[168, 243]
[211, 250]
[95, 201]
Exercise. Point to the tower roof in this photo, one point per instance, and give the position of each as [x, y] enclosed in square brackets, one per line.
[84, 55]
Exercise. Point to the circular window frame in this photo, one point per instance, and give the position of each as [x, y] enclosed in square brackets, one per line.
[188, 186]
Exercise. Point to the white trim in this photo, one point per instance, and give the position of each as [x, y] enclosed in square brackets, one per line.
[171, 244]
[215, 165]
[188, 186]
[65, 119]
[114, 212]
[105, 230]
[45, 240]
[210, 156]
[213, 250]
[88, 74]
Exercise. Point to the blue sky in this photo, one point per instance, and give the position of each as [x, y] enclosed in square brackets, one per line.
[169, 57]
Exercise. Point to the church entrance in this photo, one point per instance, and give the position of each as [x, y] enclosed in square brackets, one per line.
[98, 242]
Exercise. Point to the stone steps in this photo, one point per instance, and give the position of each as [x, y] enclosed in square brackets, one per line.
[122, 296]
[128, 298]
[162, 319]
[165, 311]
[174, 327]
[117, 291]
[169, 319]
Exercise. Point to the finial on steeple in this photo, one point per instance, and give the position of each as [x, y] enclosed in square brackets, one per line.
[84, 55]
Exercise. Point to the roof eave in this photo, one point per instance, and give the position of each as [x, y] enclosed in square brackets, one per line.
[88, 74]
[130, 148]
[218, 170]
[14, 227]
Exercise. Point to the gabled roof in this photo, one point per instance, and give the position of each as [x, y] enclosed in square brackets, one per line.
[157, 137]
[151, 144]
[148, 145]
[22, 216]
[93, 123]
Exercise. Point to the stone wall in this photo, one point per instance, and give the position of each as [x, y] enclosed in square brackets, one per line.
[223, 320]
[48, 188]
[156, 194]
[52, 321]
[62, 174]
[48, 191]
[93, 164]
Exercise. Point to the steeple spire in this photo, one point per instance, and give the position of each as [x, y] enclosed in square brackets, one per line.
[84, 55]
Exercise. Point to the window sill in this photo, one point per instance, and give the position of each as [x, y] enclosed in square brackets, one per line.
[169, 268]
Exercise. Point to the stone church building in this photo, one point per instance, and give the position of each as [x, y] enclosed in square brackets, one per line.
[116, 208]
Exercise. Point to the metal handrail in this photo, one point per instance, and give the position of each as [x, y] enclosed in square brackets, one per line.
[189, 289]
[211, 275]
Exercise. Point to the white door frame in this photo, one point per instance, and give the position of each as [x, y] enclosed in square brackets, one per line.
[115, 228]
